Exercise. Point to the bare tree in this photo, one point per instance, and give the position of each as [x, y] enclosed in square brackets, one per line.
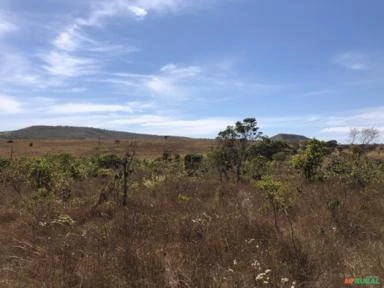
[369, 135]
[353, 135]
[363, 136]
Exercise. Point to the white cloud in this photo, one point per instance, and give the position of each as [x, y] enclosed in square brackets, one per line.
[160, 85]
[171, 82]
[70, 39]
[15, 68]
[178, 71]
[167, 125]
[6, 26]
[339, 126]
[64, 64]
[353, 61]
[9, 105]
[82, 108]
[319, 92]
[51, 106]
[139, 12]
[175, 83]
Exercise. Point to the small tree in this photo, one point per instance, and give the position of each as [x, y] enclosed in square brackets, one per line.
[234, 140]
[363, 137]
[127, 163]
[267, 148]
[309, 160]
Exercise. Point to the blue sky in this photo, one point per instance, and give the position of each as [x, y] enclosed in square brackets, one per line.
[192, 67]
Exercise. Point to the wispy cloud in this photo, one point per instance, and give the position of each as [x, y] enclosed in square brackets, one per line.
[64, 64]
[16, 69]
[170, 82]
[9, 105]
[319, 92]
[180, 71]
[178, 83]
[85, 108]
[6, 25]
[353, 61]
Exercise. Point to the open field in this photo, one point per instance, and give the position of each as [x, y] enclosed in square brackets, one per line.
[149, 149]
[64, 223]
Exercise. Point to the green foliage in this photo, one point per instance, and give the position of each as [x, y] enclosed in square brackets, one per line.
[242, 130]
[50, 173]
[192, 162]
[4, 164]
[356, 171]
[276, 193]
[333, 204]
[309, 160]
[267, 148]
[331, 144]
[234, 144]
[110, 161]
[183, 198]
[280, 156]
[255, 168]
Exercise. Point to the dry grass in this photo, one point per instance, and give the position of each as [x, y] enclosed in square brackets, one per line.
[147, 149]
[188, 232]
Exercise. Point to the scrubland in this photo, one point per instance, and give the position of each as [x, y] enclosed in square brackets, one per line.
[199, 222]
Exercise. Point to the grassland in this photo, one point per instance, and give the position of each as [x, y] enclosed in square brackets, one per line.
[146, 149]
[62, 222]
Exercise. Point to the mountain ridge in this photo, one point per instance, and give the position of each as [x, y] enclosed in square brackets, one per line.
[289, 137]
[74, 132]
[78, 132]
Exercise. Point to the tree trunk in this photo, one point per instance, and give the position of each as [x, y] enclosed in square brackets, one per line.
[125, 173]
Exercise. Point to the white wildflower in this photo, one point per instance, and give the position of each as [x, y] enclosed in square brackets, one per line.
[250, 241]
[260, 276]
[284, 280]
[43, 223]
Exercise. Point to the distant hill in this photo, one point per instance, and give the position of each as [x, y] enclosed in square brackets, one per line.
[69, 132]
[290, 138]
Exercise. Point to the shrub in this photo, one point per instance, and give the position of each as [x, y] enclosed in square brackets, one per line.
[4, 164]
[309, 160]
[280, 156]
[192, 162]
[255, 168]
[267, 148]
[110, 161]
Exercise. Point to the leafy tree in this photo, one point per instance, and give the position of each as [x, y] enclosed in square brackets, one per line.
[310, 159]
[280, 198]
[267, 148]
[234, 142]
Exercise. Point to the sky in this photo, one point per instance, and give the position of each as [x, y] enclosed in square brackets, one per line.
[192, 67]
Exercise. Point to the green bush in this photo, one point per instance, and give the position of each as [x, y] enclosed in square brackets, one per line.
[192, 162]
[4, 164]
[309, 160]
[255, 168]
[267, 148]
